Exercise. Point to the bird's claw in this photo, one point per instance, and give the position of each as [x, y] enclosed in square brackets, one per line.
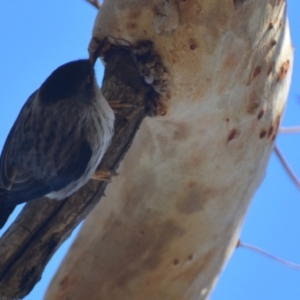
[116, 104]
[104, 175]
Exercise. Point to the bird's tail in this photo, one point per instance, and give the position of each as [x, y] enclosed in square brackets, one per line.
[5, 211]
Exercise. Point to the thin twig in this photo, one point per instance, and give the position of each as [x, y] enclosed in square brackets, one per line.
[95, 3]
[287, 166]
[294, 129]
[269, 255]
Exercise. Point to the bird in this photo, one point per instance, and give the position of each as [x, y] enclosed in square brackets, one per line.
[58, 139]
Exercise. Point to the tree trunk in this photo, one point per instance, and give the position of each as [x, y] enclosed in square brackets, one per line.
[172, 218]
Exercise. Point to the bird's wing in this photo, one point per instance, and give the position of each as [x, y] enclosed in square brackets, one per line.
[15, 182]
[72, 170]
[29, 188]
[7, 171]
[22, 186]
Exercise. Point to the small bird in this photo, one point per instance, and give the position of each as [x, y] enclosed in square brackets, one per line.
[58, 139]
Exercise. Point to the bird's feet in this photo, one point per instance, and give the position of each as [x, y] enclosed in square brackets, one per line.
[103, 175]
[116, 104]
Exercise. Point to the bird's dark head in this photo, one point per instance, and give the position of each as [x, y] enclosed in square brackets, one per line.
[68, 81]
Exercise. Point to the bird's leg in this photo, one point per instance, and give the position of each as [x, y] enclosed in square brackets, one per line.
[116, 104]
[103, 175]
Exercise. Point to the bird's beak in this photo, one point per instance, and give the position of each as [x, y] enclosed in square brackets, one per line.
[98, 48]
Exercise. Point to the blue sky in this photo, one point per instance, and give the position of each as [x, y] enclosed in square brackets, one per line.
[38, 36]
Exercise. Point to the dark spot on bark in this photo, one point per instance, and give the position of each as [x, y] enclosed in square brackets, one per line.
[175, 261]
[233, 134]
[256, 72]
[260, 115]
[283, 70]
[262, 133]
[273, 43]
[193, 44]
[271, 26]
[270, 131]
[190, 257]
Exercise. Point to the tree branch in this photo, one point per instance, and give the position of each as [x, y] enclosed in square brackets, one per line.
[44, 224]
[269, 255]
[294, 129]
[286, 166]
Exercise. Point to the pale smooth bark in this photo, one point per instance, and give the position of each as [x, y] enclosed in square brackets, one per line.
[172, 218]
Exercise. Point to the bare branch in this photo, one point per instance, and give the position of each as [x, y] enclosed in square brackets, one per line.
[95, 3]
[44, 224]
[287, 166]
[294, 129]
[269, 255]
